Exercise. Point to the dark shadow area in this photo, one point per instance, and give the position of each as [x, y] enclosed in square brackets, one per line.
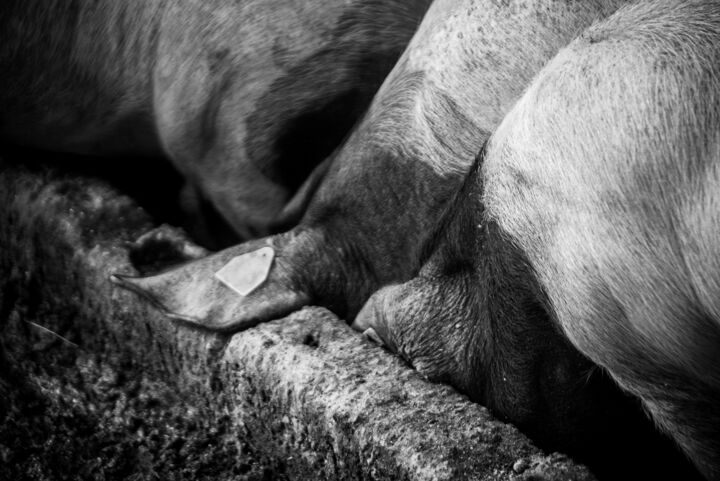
[153, 183]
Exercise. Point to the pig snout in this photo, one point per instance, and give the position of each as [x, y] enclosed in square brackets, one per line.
[372, 320]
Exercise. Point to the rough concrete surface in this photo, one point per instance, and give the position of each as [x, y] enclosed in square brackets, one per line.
[125, 394]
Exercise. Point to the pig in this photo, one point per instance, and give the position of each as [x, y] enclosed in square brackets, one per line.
[246, 99]
[584, 243]
[390, 182]
[374, 218]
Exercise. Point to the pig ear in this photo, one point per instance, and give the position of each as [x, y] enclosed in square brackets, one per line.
[228, 291]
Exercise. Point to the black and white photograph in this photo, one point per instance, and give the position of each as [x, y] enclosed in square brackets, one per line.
[413, 240]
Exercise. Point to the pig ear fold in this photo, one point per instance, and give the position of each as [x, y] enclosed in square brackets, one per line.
[228, 291]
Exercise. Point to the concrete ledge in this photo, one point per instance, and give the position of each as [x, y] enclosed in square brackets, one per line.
[299, 398]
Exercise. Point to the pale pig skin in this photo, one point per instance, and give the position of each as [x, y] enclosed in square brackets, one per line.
[245, 98]
[374, 217]
[592, 213]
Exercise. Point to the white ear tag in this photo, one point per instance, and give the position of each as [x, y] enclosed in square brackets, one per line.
[245, 273]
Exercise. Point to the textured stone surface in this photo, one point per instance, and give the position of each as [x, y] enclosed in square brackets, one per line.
[299, 398]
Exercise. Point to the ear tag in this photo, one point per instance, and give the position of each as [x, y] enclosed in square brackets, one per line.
[246, 272]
